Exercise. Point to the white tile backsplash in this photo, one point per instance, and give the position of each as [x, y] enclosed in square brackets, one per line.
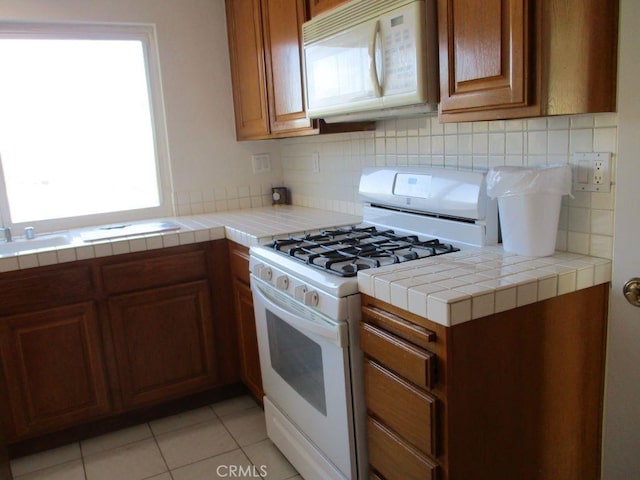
[587, 223]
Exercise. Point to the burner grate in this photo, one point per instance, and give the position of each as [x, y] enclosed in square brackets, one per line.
[345, 251]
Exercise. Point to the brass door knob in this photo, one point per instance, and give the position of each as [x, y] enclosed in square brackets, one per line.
[631, 291]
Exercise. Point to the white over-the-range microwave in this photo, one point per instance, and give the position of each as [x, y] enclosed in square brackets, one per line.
[367, 59]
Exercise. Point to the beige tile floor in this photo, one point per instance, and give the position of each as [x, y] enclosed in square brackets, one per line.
[223, 440]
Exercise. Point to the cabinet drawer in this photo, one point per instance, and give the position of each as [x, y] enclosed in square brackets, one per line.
[44, 287]
[411, 332]
[154, 271]
[413, 363]
[407, 410]
[394, 459]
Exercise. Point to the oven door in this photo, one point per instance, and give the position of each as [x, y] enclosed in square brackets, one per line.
[305, 373]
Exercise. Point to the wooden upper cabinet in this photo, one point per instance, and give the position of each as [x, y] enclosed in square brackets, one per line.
[284, 64]
[266, 67]
[316, 7]
[267, 71]
[246, 52]
[485, 54]
[525, 58]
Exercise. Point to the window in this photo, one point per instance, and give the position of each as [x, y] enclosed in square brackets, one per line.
[81, 127]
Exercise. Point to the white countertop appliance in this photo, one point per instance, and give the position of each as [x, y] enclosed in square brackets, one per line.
[307, 307]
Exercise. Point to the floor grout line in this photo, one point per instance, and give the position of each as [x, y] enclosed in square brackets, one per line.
[155, 439]
[219, 418]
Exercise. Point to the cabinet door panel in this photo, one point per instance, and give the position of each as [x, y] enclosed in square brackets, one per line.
[484, 54]
[283, 21]
[248, 340]
[54, 368]
[246, 52]
[164, 342]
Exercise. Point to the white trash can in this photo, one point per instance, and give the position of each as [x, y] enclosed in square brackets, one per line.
[529, 200]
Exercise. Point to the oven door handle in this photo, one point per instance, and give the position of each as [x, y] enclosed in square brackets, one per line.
[282, 306]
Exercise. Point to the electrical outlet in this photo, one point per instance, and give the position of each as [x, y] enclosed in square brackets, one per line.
[592, 172]
[598, 172]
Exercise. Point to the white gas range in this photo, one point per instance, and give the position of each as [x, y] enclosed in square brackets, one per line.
[307, 307]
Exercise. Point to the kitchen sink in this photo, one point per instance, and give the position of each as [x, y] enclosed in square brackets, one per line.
[109, 232]
[83, 237]
[22, 245]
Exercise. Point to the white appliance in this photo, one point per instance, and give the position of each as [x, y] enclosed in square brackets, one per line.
[367, 58]
[307, 307]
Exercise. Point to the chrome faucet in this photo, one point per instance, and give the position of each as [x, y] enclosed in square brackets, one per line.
[7, 234]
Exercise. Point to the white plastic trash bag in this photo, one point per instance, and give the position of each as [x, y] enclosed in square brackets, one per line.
[529, 200]
[507, 181]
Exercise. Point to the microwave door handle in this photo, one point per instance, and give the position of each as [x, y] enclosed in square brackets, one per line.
[375, 60]
[334, 333]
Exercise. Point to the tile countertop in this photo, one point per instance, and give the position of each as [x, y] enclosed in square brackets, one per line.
[476, 282]
[447, 289]
[247, 227]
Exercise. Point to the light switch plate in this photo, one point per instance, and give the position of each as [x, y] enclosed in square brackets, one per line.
[591, 172]
[261, 163]
[315, 162]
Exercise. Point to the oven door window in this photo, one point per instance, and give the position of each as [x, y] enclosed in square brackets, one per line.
[298, 361]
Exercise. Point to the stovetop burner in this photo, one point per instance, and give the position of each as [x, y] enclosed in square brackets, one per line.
[344, 251]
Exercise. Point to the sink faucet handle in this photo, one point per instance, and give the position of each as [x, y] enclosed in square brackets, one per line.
[7, 233]
[29, 233]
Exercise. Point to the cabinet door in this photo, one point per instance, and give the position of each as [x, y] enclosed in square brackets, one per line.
[246, 52]
[53, 365]
[248, 339]
[163, 342]
[485, 57]
[283, 21]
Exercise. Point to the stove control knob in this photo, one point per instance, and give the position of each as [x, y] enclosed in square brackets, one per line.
[311, 298]
[282, 282]
[300, 292]
[257, 268]
[266, 274]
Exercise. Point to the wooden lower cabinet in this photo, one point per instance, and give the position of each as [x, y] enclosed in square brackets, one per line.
[5, 468]
[514, 395]
[245, 319]
[54, 369]
[248, 339]
[163, 342]
[102, 340]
